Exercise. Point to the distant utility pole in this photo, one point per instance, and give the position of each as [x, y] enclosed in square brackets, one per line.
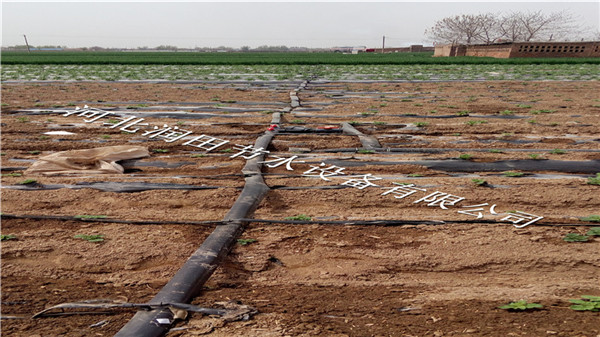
[26, 43]
[383, 45]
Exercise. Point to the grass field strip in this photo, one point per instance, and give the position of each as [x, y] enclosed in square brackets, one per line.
[475, 72]
[323, 171]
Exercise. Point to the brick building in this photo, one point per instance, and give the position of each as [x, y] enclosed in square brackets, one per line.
[522, 49]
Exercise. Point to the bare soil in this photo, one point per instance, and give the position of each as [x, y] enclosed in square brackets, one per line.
[446, 279]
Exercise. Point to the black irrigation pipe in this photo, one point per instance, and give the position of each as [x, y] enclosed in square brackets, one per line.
[188, 281]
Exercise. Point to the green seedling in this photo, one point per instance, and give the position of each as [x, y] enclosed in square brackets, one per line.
[594, 180]
[112, 121]
[44, 137]
[85, 216]
[507, 112]
[463, 113]
[406, 100]
[2, 153]
[415, 175]
[479, 182]
[521, 306]
[574, 237]
[105, 136]
[421, 124]
[418, 104]
[591, 218]
[353, 123]
[35, 152]
[532, 121]
[379, 123]
[13, 174]
[22, 119]
[7, 237]
[27, 182]
[228, 150]
[535, 156]
[558, 151]
[364, 151]
[465, 156]
[90, 238]
[160, 150]
[297, 121]
[587, 303]
[513, 174]
[471, 123]
[245, 242]
[594, 231]
[524, 106]
[198, 155]
[543, 111]
[299, 217]
[456, 134]
[495, 151]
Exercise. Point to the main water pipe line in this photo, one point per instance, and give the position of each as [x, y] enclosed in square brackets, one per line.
[188, 281]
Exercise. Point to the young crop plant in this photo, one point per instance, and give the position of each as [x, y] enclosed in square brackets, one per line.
[28, 182]
[521, 305]
[245, 242]
[507, 112]
[421, 124]
[299, 217]
[465, 156]
[90, 238]
[297, 121]
[480, 182]
[594, 180]
[496, 151]
[513, 174]
[7, 237]
[365, 151]
[591, 218]
[594, 231]
[558, 151]
[463, 113]
[160, 150]
[474, 122]
[536, 156]
[574, 237]
[85, 216]
[587, 303]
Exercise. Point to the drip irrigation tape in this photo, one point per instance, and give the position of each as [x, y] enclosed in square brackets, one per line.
[588, 166]
[109, 220]
[117, 187]
[393, 222]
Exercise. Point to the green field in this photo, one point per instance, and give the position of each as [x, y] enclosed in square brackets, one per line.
[197, 58]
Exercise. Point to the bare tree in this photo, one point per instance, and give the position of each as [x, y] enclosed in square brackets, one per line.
[515, 26]
[457, 29]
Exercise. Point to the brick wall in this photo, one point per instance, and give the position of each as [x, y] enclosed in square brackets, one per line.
[523, 49]
[556, 49]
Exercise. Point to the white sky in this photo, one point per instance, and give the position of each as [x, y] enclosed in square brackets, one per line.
[235, 24]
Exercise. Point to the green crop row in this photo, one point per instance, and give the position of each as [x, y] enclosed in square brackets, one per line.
[197, 58]
[422, 72]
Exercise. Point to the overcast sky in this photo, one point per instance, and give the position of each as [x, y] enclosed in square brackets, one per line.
[237, 24]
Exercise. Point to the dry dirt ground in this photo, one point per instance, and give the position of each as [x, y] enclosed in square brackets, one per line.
[443, 279]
